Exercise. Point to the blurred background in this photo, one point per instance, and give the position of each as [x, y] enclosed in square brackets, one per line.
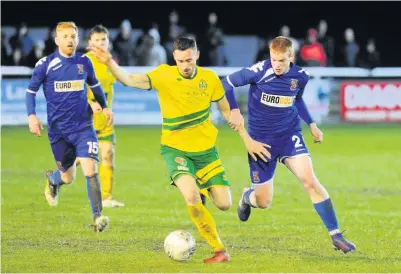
[351, 49]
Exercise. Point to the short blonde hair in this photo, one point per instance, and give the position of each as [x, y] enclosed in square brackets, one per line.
[64, 25]
[282, 44]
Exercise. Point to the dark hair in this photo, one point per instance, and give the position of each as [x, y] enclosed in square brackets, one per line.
[99, 29]
[184, 43]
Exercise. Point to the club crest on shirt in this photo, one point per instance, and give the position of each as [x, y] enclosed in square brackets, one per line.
[202, 84]
[293, 84]
[80, 68]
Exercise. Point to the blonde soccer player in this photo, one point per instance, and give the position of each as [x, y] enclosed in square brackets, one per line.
[276, 107]
[188, 139]
[64, 75]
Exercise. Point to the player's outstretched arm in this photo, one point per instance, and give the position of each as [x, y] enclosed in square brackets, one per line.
[240, 78]
[224, 108]
[140, 81]
[255, 149]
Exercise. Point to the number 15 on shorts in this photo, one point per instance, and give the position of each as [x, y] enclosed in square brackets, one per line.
[93, 148]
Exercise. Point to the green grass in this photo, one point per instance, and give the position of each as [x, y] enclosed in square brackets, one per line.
[359, 166]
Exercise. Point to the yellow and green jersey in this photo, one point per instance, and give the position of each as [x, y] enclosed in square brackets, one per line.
[185, 107]
[105, 77]
[107, 80]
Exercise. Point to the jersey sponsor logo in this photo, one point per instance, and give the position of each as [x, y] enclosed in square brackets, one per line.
[276, 100]
[293, 84]
[202, 85]
[69, 86]
[181, 161]
[80, 68]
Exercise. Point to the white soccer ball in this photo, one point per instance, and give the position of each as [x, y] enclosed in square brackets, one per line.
[179, 245]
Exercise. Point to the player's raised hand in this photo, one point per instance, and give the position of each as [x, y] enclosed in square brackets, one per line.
[236, 119]
[35, 126]
[257, 149]
[316, 133]
[109, 116]
[101, 54]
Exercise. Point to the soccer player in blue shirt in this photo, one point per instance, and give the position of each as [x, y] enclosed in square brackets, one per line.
[274, 106]
[64, 75]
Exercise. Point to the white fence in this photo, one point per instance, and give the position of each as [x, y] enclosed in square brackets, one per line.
[137, 107]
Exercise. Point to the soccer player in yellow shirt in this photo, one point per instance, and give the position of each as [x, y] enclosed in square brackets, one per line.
[188, 139]
[99, 36]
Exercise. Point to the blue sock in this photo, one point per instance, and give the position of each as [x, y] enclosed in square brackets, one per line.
[327, 213]
[55, 178]
[94, 194]
[247, 197]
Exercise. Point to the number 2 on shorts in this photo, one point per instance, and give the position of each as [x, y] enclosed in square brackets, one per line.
[297, 141]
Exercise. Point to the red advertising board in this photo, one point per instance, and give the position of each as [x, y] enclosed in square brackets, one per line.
[371, 101]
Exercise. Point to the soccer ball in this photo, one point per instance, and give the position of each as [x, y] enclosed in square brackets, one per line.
[179, 245]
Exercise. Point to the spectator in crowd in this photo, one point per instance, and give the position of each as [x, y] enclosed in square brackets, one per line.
[50, 45]
[327, 42]
[158, 53]
[175, 30]
[286, 31]
[5, 56]
[213, 45]
[22, 40]
[124, 44]
[312, 52]
[351, 48]
[264, 52]
[371, 57]
[18, 58]
[143, 51]
[36, 54]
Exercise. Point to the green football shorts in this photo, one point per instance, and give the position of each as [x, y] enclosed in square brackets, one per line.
[204, 166]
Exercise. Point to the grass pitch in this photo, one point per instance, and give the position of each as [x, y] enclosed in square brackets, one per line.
[360, 166]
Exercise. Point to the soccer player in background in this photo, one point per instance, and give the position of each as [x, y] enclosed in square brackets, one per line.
[274, 106]
[99, 36]
[188, 139]
[64, 75]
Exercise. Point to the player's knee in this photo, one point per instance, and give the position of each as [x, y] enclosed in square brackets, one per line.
[263, 203]
[192, 198]
[224, 205]
[310, 183]
[90, 174]
[67, 178]
[107, 159]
